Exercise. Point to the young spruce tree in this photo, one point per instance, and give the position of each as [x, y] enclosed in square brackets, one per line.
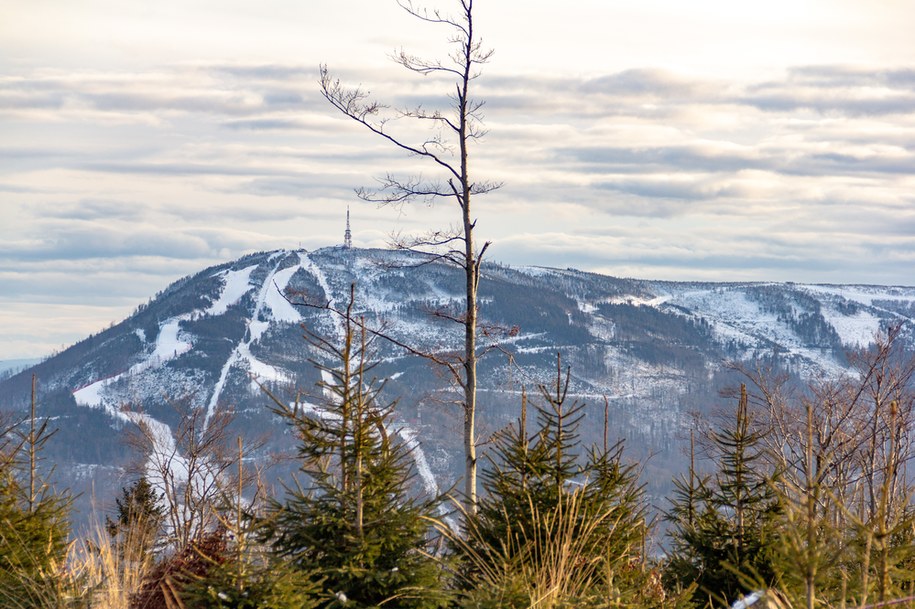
[556, 526]
[355, 528]
[33, 518]
[723, 526]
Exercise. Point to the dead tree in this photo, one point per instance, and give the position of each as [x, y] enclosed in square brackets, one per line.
[447, 149]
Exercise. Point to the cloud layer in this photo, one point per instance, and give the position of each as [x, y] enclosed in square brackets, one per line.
[115, 181]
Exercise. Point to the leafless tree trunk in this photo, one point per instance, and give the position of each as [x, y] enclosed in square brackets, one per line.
[448, 150]
[191, 469]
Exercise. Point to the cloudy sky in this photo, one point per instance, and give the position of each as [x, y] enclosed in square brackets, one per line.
[715, 139]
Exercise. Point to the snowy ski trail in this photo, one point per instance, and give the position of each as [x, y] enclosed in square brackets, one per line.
[242, 351]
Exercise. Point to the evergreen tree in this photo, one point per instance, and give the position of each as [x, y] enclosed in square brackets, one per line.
[555, 527]
[33, 518]
[137, 520]
[723, 525]
[355, 529]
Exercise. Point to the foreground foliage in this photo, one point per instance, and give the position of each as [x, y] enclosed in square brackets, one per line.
[355, 530]
[556, 526]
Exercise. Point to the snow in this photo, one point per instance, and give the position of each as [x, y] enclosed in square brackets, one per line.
[856, 330]
[90, 395]
[747, 601]
[309, 265]
[733, 316]
[279, 307]
[235, 285]
[170, 343]
[537, 271]
[864, 294]
[409, 436]
[242, 351]
[638, 301]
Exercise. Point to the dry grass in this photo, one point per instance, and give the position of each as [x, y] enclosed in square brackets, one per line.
[551, 566]
[108, 571]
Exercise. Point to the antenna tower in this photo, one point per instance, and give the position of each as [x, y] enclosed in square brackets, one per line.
[348, 234]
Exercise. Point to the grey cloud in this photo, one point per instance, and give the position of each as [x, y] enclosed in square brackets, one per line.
[609, 159]
[283, 98]
[270, 72]
[833, 163]
[843, 75]
[85, 241]
[652, 188]
[679, 159]
[835, 89]
[175, 169]
[16, 189]
[184, 92]
[22, 100]
[824, 89]
[826, 103]
[87, 285]
[267, 124]
[302, 188]
[95, 209]
[144, 102]
[643, 83]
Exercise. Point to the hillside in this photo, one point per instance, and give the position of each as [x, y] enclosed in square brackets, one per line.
[654, 350]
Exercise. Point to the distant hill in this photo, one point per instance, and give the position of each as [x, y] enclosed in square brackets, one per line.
[654, 350]
[10, 367]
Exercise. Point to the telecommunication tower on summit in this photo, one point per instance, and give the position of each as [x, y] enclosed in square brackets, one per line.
[347, 234]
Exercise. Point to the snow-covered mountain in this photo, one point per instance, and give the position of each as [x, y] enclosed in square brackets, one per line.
[654, 350]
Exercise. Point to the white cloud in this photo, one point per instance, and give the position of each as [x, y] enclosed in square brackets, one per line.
[711, 140]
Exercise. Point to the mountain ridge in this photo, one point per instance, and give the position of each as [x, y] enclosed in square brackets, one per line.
[654, 349]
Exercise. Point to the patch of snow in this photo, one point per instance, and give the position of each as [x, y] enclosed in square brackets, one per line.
[235, 285]
[279, 307]
[735, 317]
[170, 343]
[261, 371]
[90, 395]
[857, 330]
[864, 294]
[638, 301]
[242, 351]
[537, 271]
[419, 458]
[268, 296]
[747, 601]
[309, 265]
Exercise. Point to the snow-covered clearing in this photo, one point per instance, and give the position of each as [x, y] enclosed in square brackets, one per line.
[235, 285]
[270, 295]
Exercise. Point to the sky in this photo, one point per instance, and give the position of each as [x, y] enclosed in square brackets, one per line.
[708, 140]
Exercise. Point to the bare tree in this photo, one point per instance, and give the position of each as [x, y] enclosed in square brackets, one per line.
[840, 450]
[447, 149]
[191, 469]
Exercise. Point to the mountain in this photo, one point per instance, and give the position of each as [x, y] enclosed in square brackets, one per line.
[654, 350]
